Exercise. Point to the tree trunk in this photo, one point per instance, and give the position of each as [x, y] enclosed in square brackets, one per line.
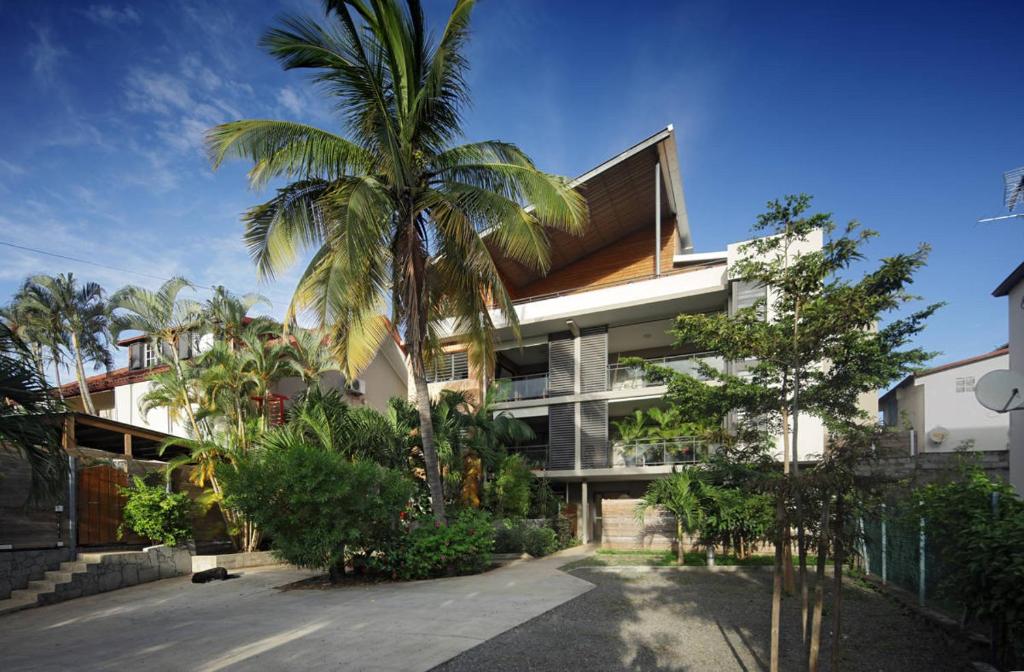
[336, 572]
[83, 389]
[56, 373]
[777, 582]
[819, 587]
[837, 583]
[427, 438]
[789, 583]
[680, 553]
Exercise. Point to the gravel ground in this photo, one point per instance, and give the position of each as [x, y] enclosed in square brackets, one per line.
[698, 620]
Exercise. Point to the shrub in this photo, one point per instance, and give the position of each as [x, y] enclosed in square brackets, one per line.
[317, 505]
[508, 537]
[463, 546]
[153, 513]
[510, 491]
[540, 541]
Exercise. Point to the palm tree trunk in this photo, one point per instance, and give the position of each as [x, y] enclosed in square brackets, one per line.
[427, 438]
[83, 389]
[56, 373]
[186, 402]
[680, 553]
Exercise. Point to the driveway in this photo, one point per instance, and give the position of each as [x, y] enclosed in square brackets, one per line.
[673, 620]
[248, 624]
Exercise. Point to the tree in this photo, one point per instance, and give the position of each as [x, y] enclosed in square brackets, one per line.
[399, 214]
[682, 494]
[30, 417]
[309, 355]
[73, 314]
[167, 321]
[818, 353]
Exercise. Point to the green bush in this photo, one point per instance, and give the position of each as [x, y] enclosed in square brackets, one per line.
[508, 537]
[540, 541]
[153, 513]
[431, 549]
[318, 506]
[510, 492]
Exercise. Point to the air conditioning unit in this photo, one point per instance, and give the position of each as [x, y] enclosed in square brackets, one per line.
[357, 386]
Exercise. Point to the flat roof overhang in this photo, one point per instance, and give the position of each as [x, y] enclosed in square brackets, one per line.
[620, 195]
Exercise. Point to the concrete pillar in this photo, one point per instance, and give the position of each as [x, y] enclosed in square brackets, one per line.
[585, 511]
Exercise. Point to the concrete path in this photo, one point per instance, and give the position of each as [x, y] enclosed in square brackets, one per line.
[247, 624]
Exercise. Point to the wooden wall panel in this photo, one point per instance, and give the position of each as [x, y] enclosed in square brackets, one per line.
[620, 528]
[630, 258]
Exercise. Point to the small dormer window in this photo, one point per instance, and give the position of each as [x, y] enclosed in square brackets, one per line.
[150, 355]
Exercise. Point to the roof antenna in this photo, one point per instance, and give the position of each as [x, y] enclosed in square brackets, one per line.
[1013, 194]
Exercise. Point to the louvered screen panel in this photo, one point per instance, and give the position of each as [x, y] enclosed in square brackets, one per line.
[561, 364]
[562, 436]
[594, 434]
[594, 359]
[746, 294]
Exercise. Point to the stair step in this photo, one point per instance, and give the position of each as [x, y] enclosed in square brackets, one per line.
[41, 586]
[25, 594]
[74, 566]
[17, 604]
[58, 576]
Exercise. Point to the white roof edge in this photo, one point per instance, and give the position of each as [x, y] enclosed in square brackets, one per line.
[692, 257]
[670, 153]
[635, 149]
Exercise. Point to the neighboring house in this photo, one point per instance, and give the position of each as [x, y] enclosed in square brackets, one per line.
[1013, 289]
[609, 294]
[117, 394]
[939, 405]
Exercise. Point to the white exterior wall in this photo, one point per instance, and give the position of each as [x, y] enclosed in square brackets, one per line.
[126, 409]
[967, 421]
[1016, 363]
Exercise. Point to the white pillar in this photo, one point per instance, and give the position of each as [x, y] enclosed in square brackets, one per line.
[585, 511]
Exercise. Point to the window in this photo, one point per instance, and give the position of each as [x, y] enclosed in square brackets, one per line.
[451, 366]
[747, 295]
[150, 357]
[965, 384]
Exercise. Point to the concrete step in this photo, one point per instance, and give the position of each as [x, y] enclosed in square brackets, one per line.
[74, 566]
[58, 576]
[17, 604]
[42, 586]
[24, 594]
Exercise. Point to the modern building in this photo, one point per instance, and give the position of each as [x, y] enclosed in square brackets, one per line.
[1013, 289]
[609, 294]
[938, 404]
[117, 394]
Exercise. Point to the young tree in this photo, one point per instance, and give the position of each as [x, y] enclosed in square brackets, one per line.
[396, 211]
[683, 494]
[812, 346]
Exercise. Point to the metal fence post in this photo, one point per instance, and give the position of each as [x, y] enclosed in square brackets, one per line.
[864, 547]
[921, 565]
[885, 576]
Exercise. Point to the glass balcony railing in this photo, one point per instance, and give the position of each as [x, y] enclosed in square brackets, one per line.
[536, 456]
[658, 452]
[624, 377]
[518, 388]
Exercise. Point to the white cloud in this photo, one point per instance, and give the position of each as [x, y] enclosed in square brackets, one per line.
[290, 100]
[11, 168]
[112, 17]
[45, 56]
[160, 92]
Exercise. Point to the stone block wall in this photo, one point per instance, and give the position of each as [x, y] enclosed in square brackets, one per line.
[110, 571]
[17, 568]
[620, 528]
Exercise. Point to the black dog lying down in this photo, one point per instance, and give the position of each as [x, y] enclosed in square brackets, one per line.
[215, 574]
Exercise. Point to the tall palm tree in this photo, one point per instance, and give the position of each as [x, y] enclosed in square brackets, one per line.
[309, 355]
[227, 314]
[166, 320]
[396, 211]
[74, 314]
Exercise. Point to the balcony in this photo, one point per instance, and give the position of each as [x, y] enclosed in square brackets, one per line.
[519, 388]
[625, 377]
[619, 455]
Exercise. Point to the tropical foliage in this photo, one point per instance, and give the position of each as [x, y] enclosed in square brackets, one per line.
[154, 513]
[394, 210]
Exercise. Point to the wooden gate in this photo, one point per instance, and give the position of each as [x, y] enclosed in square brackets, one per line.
[100, 503]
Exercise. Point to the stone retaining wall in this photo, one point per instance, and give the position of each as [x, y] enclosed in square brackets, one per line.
[110, 571]
[17, 568]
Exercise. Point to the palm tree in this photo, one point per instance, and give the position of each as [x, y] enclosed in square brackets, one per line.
[309, 355]
[227, 314]
[399, 214]
[73, 314]
[165, 320]
[29, 416]
[682, 494]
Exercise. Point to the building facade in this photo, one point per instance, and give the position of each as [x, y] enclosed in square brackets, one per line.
[610, 294]
[1013, 289]
[938, 404]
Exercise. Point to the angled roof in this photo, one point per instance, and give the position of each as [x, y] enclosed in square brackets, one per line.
[946, 367]
[1012, 280]
[111, 379]
[620, 196]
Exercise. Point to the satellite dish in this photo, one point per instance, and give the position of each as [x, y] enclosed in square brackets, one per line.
[1001, 391]
[938, 435]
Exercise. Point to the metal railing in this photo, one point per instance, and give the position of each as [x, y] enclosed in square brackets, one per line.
[658, 452]
[625, 377]
[535, 455]
[517, 388]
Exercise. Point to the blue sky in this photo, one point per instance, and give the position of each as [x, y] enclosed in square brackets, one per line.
[900, 115]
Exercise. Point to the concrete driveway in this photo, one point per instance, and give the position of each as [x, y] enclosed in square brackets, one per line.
[247, 624]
